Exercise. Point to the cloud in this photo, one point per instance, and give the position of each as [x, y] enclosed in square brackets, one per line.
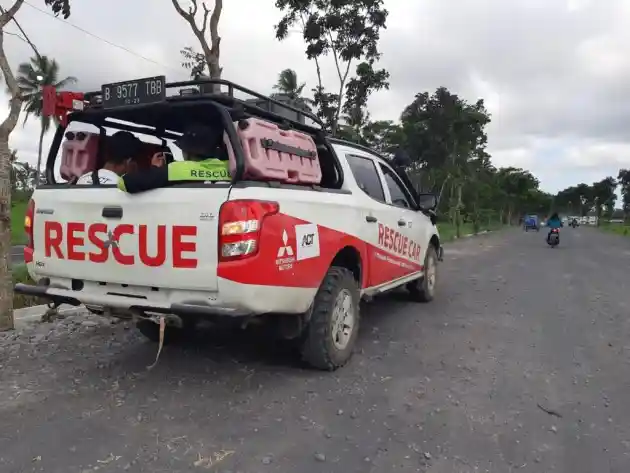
[555, 75]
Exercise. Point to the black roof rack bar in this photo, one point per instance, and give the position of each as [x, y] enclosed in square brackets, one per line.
[232, 87]
[143, 130]
[352, 144]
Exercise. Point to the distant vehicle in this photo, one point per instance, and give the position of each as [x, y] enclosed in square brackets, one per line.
[531, 223]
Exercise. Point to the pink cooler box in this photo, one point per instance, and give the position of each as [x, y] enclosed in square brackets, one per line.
[274, 154]
[78, 154]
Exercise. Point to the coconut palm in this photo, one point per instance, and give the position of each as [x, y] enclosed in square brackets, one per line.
[32, 76]
[288, 84]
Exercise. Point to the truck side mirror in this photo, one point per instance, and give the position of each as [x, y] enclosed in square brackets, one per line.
[401, 158]
[427, 201]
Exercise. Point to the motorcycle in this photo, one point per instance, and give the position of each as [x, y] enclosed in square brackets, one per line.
[553, 239]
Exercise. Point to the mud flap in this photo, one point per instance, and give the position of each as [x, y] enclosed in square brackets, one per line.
[161, 344]
[441, 253]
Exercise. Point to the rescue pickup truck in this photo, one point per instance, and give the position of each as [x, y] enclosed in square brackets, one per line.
[306, 226]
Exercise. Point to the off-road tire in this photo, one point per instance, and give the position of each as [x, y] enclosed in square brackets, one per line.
[419, 289]
[172, 335]
[317, 346]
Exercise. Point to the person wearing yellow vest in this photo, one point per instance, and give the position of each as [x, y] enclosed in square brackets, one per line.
[205, 159]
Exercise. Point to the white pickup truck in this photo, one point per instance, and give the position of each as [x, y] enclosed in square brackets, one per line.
[300, 255]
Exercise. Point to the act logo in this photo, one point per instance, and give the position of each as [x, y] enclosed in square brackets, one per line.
[308, 239]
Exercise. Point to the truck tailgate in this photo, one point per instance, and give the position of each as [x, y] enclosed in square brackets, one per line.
[161, 238]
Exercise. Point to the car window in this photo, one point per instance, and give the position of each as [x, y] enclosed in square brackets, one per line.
[366, 175]
[400, 196]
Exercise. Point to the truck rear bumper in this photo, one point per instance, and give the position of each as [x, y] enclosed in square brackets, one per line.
[192, 308]
[234, 300]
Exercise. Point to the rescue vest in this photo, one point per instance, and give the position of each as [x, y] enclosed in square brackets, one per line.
[178, 171]
[206, 170]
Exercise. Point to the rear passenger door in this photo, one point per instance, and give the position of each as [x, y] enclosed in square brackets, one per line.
[381, 223]
[414, 225]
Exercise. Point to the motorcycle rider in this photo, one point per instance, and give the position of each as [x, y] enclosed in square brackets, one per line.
[553, 222]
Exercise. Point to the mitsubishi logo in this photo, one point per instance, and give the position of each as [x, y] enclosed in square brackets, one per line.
[285, 249]
[111, 242]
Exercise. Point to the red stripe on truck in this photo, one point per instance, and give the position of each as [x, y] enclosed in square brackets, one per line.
[292, 252]
[305, 255]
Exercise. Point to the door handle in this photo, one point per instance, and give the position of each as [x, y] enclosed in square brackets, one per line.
[402, 223]
[112, 212]
[370, 219]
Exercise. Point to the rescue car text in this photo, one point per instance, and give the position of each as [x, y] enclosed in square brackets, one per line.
[391, 239]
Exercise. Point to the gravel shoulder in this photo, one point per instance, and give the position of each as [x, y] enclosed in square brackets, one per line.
[458, 385]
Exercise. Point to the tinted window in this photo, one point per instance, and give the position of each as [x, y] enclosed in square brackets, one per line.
[366, 175]
[400, 196]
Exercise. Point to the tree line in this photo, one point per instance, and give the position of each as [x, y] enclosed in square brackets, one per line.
[597, 199]
[443, 134]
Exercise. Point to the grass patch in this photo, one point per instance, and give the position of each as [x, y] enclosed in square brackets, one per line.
[448, 231]
[20, 274]
[18, 210]
[616, 228]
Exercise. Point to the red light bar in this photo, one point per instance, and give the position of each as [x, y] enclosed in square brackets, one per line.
[59, 104]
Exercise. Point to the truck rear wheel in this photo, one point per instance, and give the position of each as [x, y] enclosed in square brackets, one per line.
[329, 340]
[423, 289]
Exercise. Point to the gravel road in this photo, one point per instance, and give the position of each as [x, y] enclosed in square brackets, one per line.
[521, 364]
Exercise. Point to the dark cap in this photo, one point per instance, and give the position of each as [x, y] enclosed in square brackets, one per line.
[200, 139]
[122, 145]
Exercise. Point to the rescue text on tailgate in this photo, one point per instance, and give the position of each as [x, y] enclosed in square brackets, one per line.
[68, 241]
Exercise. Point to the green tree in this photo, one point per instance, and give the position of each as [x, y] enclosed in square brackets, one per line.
[443, 131]
[358, 90]
[210, 54]
[383, 136]
[604, 197]
[32, 76]
[289, 85]
[6, 167]
[349, 30]
[623, 178]
[195, 61]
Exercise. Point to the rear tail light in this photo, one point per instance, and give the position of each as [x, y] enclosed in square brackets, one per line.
[240, 224]
[29, 221]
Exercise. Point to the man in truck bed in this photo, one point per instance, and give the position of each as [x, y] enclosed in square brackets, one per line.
[120, 149]
[202, 148]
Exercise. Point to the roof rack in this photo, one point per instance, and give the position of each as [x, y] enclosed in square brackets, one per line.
[60, 104]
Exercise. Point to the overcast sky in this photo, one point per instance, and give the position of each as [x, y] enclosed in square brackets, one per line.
[554, 73]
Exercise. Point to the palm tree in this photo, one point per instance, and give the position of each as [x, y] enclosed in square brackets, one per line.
[32, 76]
[15, 170]
[288, 84]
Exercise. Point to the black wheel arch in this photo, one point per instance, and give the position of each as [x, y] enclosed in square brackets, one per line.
[349, 257]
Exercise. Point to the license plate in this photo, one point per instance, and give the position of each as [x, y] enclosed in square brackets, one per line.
[134, 92]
